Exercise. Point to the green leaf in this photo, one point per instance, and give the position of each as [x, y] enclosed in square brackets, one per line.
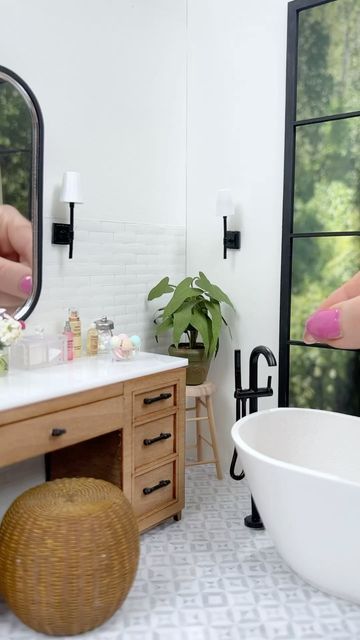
[162, 287]
[212, 289]
[163, 326]
[183, 291]
[226, 324]
[203, 324]
[216, 318]
[181, 319]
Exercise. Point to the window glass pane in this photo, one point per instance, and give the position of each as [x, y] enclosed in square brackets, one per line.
[325, 379]
[319, 266]
[327, 176]
[328, 59]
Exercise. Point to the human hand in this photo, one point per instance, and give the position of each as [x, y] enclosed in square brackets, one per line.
[15, 258]
[337, 321]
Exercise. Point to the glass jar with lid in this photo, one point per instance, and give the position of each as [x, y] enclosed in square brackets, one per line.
[104, 328]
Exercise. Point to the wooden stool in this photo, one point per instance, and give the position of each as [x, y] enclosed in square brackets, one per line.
[202, 394]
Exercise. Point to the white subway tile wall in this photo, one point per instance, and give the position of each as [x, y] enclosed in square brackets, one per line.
[114, 266]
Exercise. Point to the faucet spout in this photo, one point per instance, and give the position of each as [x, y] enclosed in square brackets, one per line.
[253, 375]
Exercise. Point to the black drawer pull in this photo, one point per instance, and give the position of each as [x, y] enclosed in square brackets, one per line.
[162, 483]
[162, 396]
[57, 431]
[162, 436]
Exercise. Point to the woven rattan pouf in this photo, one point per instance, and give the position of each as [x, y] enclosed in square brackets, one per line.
[69, 551]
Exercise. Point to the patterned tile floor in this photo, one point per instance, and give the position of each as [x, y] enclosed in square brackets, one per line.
[208, 577]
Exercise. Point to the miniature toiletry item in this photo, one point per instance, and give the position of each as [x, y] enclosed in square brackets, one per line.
[92, 340]
[127, 345]
[123, 347]
[136, 341]
[75, 325]
[57, 347]
[69, 341]
[104, 327]
[38, 350]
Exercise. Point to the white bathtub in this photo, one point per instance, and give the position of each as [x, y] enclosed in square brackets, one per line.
[303, 469]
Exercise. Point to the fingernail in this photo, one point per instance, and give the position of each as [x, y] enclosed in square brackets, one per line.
[26, 285]
[323, 325]
[308, 339]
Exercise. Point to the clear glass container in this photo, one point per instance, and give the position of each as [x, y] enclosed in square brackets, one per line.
[104, 328]
[38, 350]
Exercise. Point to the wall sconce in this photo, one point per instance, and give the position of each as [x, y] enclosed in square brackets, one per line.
[71, 193]
[225, 208]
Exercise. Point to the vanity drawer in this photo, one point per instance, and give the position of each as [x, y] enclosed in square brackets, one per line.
[154, 440]
[154, 400]
[29, 438]
[155, 489]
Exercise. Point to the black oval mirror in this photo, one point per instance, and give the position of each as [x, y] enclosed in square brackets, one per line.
[21, 175]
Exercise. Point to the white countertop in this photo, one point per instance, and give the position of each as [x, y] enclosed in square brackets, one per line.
[22, 387]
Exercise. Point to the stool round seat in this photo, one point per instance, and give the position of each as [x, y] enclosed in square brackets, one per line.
[69, 551]
[200, 390]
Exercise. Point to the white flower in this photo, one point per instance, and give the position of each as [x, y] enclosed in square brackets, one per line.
[10, 330]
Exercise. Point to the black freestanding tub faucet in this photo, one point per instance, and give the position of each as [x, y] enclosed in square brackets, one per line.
[253, 393]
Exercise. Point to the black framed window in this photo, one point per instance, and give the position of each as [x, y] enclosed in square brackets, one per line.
[321, 214]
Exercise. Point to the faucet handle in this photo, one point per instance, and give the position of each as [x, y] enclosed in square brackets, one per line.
[269, 383]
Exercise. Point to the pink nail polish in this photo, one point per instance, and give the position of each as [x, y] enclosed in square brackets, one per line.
[26, 285]
[324, 324]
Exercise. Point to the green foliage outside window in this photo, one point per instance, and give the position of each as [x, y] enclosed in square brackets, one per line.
[326, 197]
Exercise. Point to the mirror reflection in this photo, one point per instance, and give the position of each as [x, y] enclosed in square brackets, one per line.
[21, 135]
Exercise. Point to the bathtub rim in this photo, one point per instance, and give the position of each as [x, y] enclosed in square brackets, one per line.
[308, 471]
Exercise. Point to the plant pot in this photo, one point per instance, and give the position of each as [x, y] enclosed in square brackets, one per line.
[198, 367]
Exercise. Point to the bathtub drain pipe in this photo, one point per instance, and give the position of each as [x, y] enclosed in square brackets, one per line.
[242, 396]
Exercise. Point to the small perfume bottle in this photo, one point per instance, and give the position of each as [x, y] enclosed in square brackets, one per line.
[69, 340]
[75, 326]
[92, 340]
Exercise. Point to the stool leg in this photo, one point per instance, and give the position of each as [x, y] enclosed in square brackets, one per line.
[199, 445]
[213, 437]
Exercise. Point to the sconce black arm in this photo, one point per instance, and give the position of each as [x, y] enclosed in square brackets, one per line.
[71, 230]
[231, 238]
[64, 233]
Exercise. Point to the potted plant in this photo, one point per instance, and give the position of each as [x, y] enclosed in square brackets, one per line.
[194, 309]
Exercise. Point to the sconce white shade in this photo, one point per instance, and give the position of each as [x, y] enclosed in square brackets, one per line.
[71, 188]
[224, 203]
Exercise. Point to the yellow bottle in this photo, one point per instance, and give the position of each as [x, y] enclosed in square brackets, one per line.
[75, 325]
[92, 340]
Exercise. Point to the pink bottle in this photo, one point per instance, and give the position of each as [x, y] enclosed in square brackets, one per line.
[69, 341]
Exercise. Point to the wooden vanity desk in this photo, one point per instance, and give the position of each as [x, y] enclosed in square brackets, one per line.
[122, 422]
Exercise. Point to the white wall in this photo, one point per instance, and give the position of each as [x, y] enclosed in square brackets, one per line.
[236, 111]
[110, 79]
